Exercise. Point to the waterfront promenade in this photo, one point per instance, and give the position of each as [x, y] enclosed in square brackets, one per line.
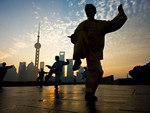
[70, 99]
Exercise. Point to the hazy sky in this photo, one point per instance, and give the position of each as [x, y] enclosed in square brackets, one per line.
[124, 49]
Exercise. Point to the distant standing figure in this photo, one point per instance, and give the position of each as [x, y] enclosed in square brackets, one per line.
[41, 75]
[88, 40]
[57, 69]
[3, 71]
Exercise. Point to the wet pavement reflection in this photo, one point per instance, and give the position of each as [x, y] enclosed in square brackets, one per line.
[70, 99]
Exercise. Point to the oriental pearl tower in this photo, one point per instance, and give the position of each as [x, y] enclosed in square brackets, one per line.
[37, 47]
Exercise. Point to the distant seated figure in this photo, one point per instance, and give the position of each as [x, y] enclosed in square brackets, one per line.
[89, 40]
[56, 68]
[3, 71]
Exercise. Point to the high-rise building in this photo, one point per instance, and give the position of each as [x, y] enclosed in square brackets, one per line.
[22, 72]
[70, 74]
[37, 46]
[32, 72]
[69, 68]
[42, 65]
[11, 74]
[62, 58]
[62, 55]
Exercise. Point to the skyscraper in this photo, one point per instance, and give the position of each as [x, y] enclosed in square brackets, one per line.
[42, 65]
[37, 46]
[11, 75]
[62, 58]
[62, 55]
[32, 72]
[22, 72]
[70, 74]
[69, 68]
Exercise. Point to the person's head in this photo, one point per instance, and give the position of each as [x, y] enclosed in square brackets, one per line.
[4, 64]
[90, 11]
[57, 58]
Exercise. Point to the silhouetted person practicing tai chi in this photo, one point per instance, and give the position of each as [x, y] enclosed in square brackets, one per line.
[56, 68]
[88, 40]
[41, 76]
[3, 71]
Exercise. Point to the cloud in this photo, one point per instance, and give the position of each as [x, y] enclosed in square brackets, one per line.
[77, 13]
[3, 55]
[70, 4]
[81, 2]
[36, 10]
[109, 9]
[35, 6]
[13, 51]
[36, 15]
[20, 43]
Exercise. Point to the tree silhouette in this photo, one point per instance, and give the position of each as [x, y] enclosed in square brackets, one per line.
[141, 72]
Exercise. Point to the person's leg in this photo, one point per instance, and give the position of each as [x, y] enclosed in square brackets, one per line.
[57, 78]
[41, 82]
[49, 75]
[37, 79]
[95, 73]
[76, 65]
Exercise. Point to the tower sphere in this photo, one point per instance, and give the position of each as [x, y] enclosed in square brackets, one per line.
[37, 45]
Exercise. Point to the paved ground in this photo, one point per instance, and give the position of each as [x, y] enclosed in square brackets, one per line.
[70, 99]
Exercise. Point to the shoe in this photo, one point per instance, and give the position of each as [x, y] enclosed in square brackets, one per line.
[76, 65]
[90, 97]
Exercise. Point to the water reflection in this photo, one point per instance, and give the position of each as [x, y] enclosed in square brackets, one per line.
[57, 92]
[67, 98]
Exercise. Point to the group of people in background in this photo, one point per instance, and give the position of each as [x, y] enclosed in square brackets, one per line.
[56, 69]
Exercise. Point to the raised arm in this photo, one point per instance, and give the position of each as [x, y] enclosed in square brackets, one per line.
[66, 63]
[49, 66]
[9, 66]
[117, 22]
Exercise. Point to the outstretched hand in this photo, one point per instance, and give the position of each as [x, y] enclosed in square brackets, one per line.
[49, 66]
[73, 38]
[11, 66]
[120, 9]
